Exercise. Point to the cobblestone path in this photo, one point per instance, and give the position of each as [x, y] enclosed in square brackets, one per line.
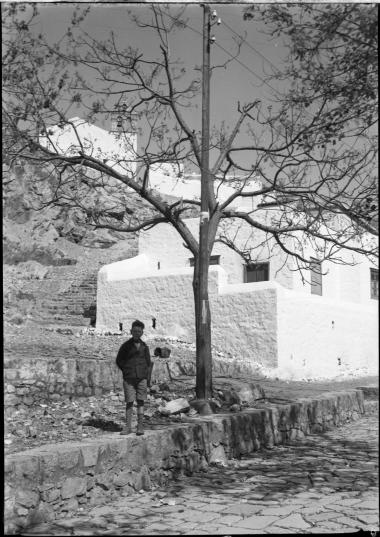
[324, 484]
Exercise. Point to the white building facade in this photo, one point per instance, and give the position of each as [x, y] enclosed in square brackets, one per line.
[263, 313]
[117, 148]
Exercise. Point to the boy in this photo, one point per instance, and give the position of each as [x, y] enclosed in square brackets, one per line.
[134, 360]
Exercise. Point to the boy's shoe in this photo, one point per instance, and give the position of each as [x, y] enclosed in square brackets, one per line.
[126, 430]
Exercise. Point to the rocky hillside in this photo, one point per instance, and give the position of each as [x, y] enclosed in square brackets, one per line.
[34, 233]
[50, 257]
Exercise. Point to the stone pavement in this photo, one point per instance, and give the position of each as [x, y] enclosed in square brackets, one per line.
[324, 483]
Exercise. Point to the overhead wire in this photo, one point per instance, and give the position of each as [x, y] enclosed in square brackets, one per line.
[245, 66]
[226, 51]
[234, 58]
[249, 45]
[276, 69]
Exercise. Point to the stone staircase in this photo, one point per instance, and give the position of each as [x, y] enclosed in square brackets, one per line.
[67, 296]
[63, 293]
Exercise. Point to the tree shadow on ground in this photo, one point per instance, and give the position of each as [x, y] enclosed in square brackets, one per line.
[318, 462]
[345, 464]
[104, 425]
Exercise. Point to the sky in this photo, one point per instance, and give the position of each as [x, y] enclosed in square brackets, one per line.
[241, 80]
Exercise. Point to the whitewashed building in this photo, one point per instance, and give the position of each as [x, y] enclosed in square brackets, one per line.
[117, 147]
[263, 312]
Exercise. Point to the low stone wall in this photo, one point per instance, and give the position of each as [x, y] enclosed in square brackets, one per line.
[43, 481]
[42, 380]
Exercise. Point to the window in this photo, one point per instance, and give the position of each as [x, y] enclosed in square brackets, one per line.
[316, 276]
[214, 260]
[256, 272]
[374, 283]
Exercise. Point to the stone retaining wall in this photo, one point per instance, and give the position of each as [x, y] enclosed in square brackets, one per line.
[44, 481]
[41, 380]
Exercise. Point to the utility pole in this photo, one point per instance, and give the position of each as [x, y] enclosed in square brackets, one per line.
[204, 358]
[202, 306]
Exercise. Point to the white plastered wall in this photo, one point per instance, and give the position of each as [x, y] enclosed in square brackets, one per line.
[302, 335]
[164, 246]
[345, 281]
[292, 334]
[318, 337]
[164, 296]
[244, 320]
[119, 149]
[355, 281]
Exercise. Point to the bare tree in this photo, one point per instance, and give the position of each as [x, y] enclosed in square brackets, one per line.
[332, 53]
[313, 178]
[331, 66]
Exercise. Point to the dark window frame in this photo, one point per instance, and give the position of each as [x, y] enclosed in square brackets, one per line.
[214, 260]
[316, 276]
[256, 268]
[374, 283]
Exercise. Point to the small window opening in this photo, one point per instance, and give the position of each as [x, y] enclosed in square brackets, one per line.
[256, 272]
[121, 327]
[374, 283]
[316, 276]
[154, 322]
[214, 260]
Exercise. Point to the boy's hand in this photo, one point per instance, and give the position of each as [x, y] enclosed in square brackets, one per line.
[149, 378]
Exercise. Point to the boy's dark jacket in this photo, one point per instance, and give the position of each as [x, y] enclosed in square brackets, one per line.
[134, 363]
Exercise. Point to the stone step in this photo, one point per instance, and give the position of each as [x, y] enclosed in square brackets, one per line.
[59, 301]
[65, 320]
[72, 295]
[370, 392]
[67, 292]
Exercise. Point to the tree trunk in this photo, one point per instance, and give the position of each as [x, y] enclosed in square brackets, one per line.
[203, 385]
[202, 331]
